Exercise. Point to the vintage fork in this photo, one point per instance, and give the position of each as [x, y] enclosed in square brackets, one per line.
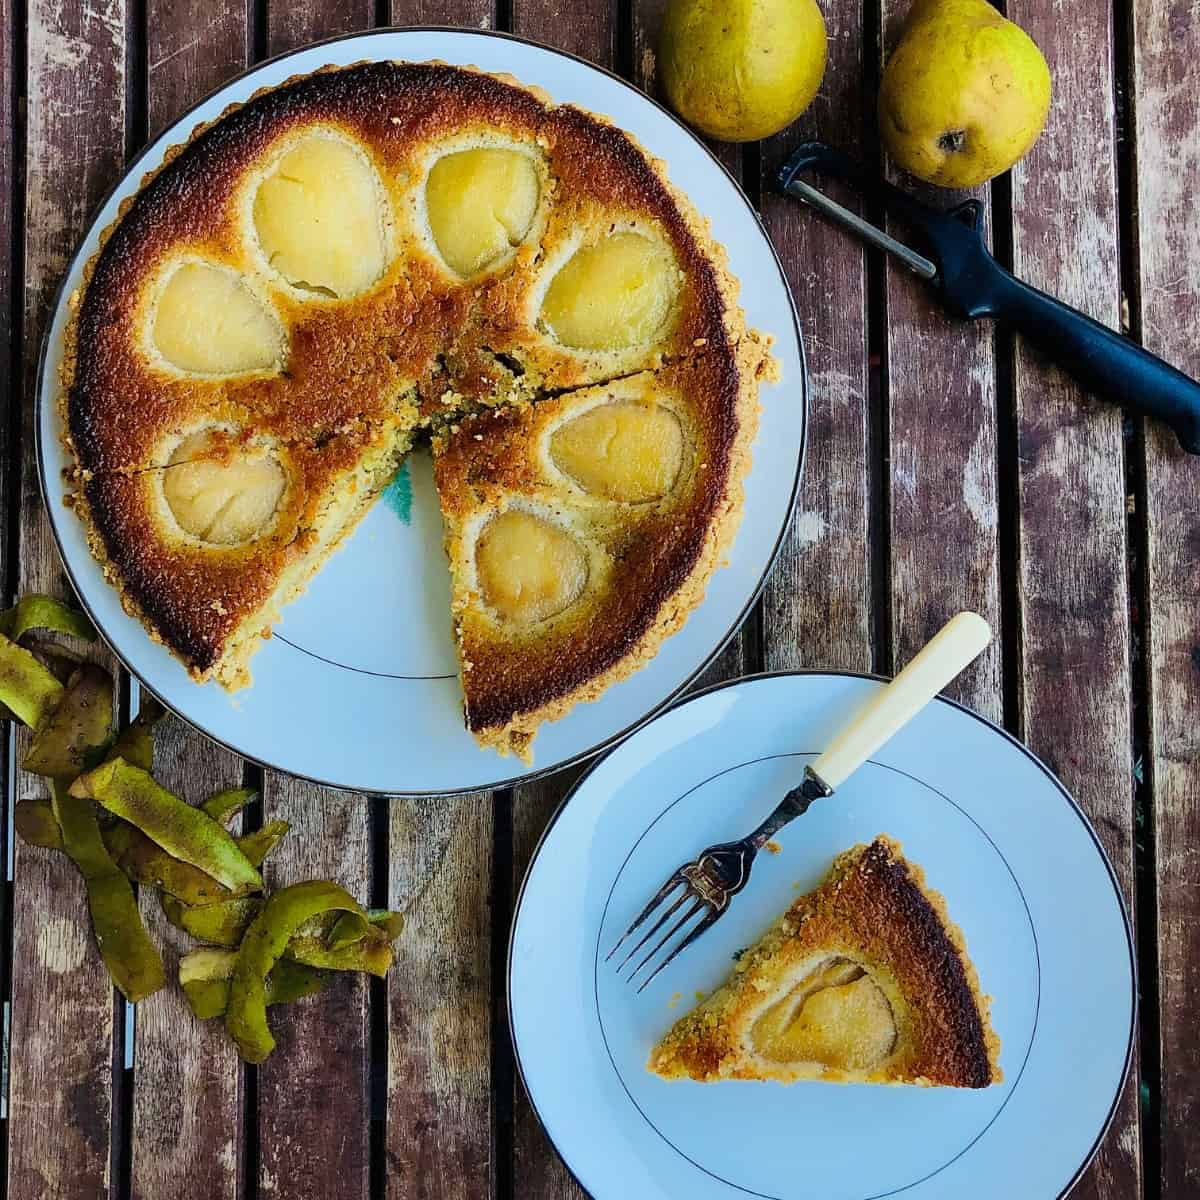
[711, 881]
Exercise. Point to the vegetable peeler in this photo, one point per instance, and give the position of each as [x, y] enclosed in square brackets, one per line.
[972, 284]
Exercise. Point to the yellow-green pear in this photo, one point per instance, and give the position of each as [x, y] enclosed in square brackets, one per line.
[964, 95]
[741, 69]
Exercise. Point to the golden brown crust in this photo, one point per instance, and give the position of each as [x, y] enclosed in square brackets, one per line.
[360, 375]
[875, 909]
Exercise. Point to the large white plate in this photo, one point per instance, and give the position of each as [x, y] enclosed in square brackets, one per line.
[358, 688]
[1022, 873]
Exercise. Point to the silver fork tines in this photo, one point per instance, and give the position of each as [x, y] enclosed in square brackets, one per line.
[710, 882]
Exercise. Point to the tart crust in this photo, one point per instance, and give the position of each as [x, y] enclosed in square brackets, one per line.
[420, 352]
[875, 911]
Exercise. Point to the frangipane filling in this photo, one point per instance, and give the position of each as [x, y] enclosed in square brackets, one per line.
[625, 452]
[481, 203]
[318, 219]
[612, 294]
[219, 495]
[836, 1016]
[529, 569]
[208, 321]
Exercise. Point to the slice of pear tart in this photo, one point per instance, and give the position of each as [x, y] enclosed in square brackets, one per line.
[582, 530]
[372, 256]
[864, 980]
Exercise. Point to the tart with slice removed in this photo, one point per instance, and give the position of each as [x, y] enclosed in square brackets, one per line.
[864, 980]
[378, 256]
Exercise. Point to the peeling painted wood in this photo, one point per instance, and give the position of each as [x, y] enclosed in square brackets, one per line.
[587, 28]
[191, 50]
[943, 490]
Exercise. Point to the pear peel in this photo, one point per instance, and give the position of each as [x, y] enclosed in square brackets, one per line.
[964, 95]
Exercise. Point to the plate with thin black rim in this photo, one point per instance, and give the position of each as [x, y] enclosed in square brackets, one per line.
[358, 688]
[1023, 875]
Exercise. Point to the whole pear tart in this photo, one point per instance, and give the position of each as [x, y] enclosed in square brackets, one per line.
[864, 980]
[373, 256]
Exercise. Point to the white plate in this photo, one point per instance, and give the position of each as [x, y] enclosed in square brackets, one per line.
[1022, 873]
[358, 689]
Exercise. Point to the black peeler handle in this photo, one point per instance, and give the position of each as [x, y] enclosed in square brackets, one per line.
[973, 284]
[1103, 361]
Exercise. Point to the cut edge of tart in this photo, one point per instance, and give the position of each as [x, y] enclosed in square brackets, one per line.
[409, 351]
[866, 979]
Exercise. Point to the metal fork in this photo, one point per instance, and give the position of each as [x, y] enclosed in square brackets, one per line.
[711, 881]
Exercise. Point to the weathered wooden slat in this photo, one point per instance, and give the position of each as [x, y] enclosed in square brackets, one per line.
[478, 14]
[587, 28]
[190, 50]
[538, 1172]
[1166, 46]
[439, 1132]
[1073, 603]
[61, 1058]
[943, 505]
[10, 304]
[187, 1081]
[817, 606]
[290, 26]
[187, 1084]
[439, 1128]
[314, 1091]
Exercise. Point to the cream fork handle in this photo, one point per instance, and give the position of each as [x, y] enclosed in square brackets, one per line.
[961, 640]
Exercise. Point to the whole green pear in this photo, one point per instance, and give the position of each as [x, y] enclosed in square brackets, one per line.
[964, 95]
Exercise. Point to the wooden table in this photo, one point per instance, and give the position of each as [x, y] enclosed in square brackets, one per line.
[948, 468]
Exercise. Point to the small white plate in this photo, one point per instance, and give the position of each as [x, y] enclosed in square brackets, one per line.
[997, 834]
[358, 688]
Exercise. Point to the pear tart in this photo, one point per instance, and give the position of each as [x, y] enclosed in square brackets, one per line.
[369, 255]
[864, 980]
